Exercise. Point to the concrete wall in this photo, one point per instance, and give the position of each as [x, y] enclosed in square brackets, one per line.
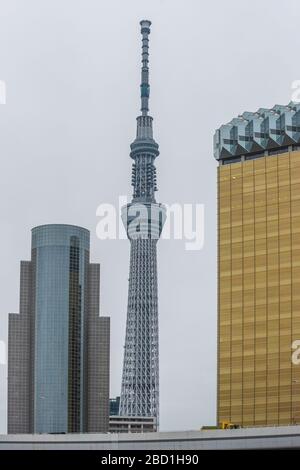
[254, 438]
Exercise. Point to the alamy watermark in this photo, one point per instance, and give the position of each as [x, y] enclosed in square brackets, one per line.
[176, 221]
[2, 353]
[2, 92]
[296, 353]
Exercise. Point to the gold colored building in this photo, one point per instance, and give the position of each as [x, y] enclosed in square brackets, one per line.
[259, 271]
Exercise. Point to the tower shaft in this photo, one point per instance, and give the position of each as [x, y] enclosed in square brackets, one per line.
[140, 385]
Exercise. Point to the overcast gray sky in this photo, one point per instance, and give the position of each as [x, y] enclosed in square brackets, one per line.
[72, 71]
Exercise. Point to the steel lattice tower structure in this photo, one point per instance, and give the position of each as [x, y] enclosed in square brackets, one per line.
[143, 219]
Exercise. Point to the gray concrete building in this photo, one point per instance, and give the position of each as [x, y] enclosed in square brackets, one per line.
[58, 345]
[136, 424]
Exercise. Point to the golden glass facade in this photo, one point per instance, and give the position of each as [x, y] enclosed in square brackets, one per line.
[259, 290]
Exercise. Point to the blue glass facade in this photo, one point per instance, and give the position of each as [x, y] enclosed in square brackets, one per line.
[114, 406]
[61, 254]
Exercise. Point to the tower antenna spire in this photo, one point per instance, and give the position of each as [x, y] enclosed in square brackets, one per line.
[145, 86]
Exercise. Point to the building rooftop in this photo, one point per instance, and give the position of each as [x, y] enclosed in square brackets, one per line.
[258, 132]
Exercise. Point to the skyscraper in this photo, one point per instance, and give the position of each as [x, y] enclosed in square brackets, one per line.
[58, 346]
[143, 219]
[259, 266]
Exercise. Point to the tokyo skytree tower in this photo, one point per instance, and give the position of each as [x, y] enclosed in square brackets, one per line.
[143, 219]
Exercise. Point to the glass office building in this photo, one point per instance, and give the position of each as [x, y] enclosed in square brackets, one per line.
[259, 267]
[62, 338]
[114, 406]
